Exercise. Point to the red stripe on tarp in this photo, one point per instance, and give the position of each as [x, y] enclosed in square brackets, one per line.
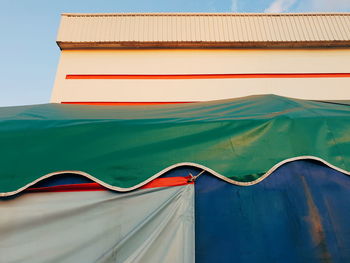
[69, 187]
[169, 181]
[106, 103]
[159, 182]
[210, 76]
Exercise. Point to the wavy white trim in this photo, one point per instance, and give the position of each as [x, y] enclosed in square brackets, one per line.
[204, 168]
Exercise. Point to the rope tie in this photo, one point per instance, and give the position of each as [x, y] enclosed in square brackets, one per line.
[194, 178]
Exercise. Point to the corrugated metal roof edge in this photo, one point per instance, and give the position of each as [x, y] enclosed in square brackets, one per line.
[210, 14]
[208, 45]
[335, 41]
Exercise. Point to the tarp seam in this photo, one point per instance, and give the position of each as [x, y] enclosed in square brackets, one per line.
[231, 181]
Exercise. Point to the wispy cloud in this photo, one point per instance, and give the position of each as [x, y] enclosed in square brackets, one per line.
[234, 6]
[280, 6]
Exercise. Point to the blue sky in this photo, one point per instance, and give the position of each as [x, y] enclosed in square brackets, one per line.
[29, 54]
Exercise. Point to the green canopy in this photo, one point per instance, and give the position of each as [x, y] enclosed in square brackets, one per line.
[123, 147]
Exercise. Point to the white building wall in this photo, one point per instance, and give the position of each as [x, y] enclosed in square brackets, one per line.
[201, 61]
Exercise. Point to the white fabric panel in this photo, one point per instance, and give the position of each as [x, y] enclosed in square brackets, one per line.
[150, 225]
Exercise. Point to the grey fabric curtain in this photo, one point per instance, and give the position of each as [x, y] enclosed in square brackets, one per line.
[149, 225]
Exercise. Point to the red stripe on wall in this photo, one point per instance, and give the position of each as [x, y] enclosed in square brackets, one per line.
[215, 76]
[120, 103]
[159, 182]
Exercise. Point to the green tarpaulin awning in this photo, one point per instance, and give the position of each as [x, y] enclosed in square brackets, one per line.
[239, 140]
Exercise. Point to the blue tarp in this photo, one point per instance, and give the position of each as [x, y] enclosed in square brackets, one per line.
[300, 213]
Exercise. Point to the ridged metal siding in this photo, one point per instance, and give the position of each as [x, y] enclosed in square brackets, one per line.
[204, 28]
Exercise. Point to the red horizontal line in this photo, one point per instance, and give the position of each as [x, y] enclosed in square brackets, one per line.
[69, 187]
[159, 182]
[215, 76]
[101, 103]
